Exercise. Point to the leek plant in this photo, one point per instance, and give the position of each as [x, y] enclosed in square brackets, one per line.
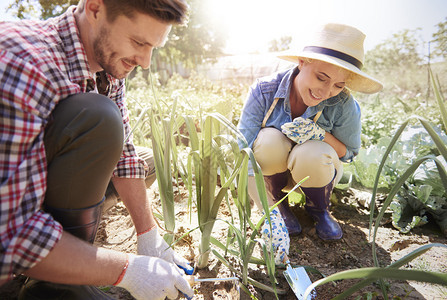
[161, 137]
[162, 132]
[215, 153]
[205, 160]
[246, 241]
[216, 170]
[392, 271]
[246, 233]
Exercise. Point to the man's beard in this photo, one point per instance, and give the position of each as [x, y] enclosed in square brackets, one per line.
[105, 56]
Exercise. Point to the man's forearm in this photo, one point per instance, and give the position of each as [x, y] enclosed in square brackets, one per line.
[132, 192]
[73, 261]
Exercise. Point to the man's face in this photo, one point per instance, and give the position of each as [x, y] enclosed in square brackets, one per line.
[120, 46]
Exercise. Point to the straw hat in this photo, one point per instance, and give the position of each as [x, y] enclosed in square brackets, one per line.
[340, 45]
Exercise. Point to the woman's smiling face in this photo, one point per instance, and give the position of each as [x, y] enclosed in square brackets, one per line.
[318, 81]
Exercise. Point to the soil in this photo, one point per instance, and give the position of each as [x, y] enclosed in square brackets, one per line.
[351, 252]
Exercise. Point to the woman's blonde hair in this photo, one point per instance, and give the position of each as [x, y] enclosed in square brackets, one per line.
[350, 75]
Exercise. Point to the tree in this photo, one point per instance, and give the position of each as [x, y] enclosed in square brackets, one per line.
[397, 60]
[281, 44]
[25, 9]
[440, 39]
[189, 45]
[400, 50]
[194, 44]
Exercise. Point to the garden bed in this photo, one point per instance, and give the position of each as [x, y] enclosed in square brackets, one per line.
[351, 252]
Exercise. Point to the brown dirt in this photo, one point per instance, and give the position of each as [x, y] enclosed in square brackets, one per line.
[351, 252]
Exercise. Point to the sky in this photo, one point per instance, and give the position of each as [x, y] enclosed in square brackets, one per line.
[251, 24]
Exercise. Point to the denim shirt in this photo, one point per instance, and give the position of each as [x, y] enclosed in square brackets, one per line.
[340, 117]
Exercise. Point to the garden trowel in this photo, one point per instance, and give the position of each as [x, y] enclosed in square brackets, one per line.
[299, 281]
[193, 279]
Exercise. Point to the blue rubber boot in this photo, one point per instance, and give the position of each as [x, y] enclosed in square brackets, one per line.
[317, 206]
[275, 184]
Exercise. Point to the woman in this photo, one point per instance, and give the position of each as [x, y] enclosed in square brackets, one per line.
[304, 122]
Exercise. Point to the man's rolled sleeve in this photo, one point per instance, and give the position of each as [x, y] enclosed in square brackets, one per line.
[26, 247]
[130, 164]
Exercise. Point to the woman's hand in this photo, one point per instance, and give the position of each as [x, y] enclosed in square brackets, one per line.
[301, 130]
[278, 234]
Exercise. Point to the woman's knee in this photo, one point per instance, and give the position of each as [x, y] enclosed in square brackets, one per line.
[271, 150]
[315, 159]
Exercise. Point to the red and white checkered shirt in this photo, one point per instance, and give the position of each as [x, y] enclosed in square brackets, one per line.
[41, 63]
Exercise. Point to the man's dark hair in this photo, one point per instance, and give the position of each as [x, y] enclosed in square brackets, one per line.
[168, 11]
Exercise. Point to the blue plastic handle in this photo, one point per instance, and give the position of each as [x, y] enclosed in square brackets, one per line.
[188, 271]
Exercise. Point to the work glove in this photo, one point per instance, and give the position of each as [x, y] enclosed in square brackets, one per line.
[302, 130]
[152, 278]
[279, 235]
[150, 243]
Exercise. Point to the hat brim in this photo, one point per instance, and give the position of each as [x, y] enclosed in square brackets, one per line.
[359, 81]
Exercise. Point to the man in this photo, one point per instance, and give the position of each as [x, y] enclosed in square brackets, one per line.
[62, 137]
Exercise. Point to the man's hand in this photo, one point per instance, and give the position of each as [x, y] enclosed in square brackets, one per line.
[279, 235]
[152, 244]
[302, 130]
[154, 278]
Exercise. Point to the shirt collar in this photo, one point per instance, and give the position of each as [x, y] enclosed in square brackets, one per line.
[79, 69]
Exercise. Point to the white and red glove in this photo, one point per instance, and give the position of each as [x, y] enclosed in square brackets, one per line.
[151, 243]
[152, 278]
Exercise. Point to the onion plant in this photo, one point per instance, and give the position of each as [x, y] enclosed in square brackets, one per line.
[246, 239]
[206, 161]
[392, 271]
[161, 136]
[244, 234]
[162, 132]
[214, 154]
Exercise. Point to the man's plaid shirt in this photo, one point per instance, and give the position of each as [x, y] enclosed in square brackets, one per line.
[41, 63]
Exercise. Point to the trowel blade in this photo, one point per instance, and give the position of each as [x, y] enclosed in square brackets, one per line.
[299, 281]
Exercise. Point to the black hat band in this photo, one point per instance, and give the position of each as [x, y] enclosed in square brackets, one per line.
[334, 53]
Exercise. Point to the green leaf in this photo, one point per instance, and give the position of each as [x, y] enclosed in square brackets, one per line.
[397, 264]
[436, 138]
[380, 273]
[439, 100]
[379, 171]
[390, 197]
